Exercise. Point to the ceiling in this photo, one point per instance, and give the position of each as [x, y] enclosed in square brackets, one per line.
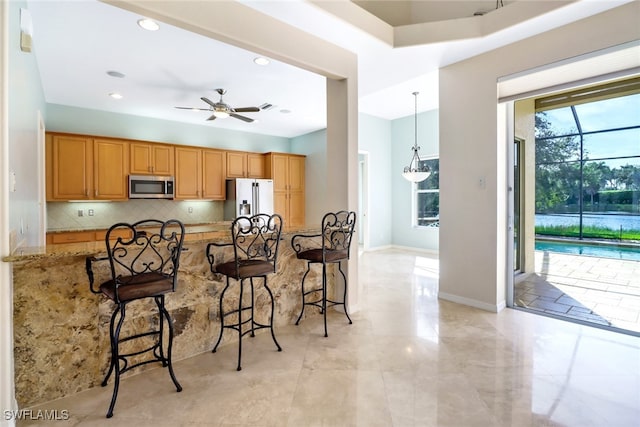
[76, 43]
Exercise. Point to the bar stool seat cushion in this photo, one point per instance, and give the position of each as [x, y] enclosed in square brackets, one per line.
[247, 268]
[138, 286]
[315, 255]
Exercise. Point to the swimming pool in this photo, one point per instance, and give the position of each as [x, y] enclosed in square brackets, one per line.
[590, 249]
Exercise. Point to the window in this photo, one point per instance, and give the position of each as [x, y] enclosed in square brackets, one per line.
[427, 196]
[588, 169]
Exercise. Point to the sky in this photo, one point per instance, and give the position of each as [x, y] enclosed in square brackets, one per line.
[602, 115]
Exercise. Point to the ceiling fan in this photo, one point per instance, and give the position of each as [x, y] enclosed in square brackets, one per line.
[222, 110]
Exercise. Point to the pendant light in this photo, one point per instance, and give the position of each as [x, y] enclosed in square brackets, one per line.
[416, 172]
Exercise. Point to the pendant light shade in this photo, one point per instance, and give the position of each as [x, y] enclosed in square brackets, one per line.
[416, 172]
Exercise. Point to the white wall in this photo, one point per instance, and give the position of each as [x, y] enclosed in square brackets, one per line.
[63, 118]
[375, 138]
[402, 140]
[473, 224]
[388, 144]
[314, 146]
[25, 101]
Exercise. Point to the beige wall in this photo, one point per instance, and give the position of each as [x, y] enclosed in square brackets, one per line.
[472, 227]
[524, 119]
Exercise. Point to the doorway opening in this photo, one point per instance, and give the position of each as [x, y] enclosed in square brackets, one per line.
[587, 207]
[363, 201]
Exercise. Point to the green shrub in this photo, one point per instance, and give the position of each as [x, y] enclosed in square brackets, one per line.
[587, 232]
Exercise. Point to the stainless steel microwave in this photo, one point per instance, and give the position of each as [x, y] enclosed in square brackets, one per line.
[151, 187]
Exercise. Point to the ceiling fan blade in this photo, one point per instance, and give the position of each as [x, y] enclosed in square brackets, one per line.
[238, 116]
[208, 101]
[247, 110]
[193, 108]
[213, 117]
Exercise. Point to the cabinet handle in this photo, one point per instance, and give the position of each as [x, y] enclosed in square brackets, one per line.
[96, 192]
[86, 193]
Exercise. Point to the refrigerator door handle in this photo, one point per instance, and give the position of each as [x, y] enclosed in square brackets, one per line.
[256, 197]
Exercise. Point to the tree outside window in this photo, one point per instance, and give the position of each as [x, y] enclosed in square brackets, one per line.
[427, 196]
[588, 170]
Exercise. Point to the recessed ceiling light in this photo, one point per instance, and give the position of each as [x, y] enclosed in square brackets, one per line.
[285, 111]
[115, 95]
[148, 24]
[261, 60]
[117, 74]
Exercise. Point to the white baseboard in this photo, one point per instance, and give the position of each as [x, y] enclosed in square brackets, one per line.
[473, 303]
[402, 248]
[377, 248]
[412, 249]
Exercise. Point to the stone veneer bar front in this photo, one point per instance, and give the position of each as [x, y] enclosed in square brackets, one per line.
[61, 329]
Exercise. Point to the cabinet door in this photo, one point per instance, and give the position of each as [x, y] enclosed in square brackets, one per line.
[188, 179]
[71, 237]
[111, 168]
[279, 171]
[151, 159]
[280, 205]
[296, 173]
[141, 158]
[71, 167]
[236, 164]
[162, 159]
[255, 165]
[296, 209]
[213, 175]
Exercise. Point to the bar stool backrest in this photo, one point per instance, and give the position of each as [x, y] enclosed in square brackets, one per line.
[147, 247]
[256, 238]
[337, 231]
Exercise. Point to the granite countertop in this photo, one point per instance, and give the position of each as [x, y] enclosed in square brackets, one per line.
[196, 233]
[188, 228]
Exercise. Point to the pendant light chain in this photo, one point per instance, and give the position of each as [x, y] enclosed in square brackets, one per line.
[417, 172]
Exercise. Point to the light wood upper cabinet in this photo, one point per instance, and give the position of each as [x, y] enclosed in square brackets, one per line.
[287, 172]
[213, 175]
[151, 159]
[188, 179]
[245, 165]
[84, 168]
[236, 164]
[69, 162]
[255, 165]
[200, 173]
[111, 169]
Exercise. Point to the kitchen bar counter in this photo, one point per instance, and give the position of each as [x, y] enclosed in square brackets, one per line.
[61, 328]
[217, 231]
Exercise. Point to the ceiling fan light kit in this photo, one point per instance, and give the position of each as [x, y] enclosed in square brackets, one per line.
[221, 110]
[220, 114]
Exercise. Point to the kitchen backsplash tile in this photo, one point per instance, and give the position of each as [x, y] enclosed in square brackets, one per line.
[65, 215]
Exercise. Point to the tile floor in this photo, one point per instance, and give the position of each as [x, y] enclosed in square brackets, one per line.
[603, 291]
[409, 359]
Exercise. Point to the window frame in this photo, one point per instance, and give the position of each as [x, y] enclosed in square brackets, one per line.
[415, 191]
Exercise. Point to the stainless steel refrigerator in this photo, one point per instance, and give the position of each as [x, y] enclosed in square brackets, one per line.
[248, 196]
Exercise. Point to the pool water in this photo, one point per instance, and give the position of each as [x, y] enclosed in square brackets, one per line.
[600, 251]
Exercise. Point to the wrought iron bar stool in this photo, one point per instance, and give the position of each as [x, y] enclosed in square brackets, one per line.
[255, 242]
[331, 246]
[143, 258]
